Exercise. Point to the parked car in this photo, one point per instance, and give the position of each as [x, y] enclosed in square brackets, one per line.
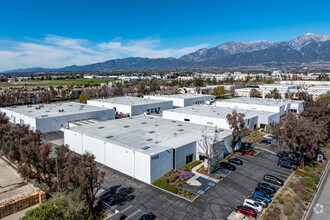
[262, 196]
[259, 201]
[148, 216]
[252, 204]
[247, 211]
[227, 165]
[267, 186]
[282, 154]
[287, 164]
[265, 141]
[292, 161]
[273, 179]
[235, 161]
[264, 191]
[248, 152]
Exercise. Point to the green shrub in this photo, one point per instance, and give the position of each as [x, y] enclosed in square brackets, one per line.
[288, 208]
[313, 176]
[277, 209]
[280, 200]
[191, 165]
[305, 196]
[217, 176]
[164, 184]
[180, 185]
[300, 172]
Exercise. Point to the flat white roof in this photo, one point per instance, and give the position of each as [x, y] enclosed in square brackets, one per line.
[277, 85]
[319, 88]
[52, 110]
[146, 134]
[128, 100]
[218, 112]
[181, 96]
[256, 101]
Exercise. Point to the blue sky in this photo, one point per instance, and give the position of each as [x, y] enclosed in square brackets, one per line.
[56, 33]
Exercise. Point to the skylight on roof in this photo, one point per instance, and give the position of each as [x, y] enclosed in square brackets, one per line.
[126, 126]
[108, 137]
[149, 139]
[145, 148]
[100, 127]
[151, 132]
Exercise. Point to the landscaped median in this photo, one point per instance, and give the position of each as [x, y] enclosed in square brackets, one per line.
[293, 200]
[175, 180]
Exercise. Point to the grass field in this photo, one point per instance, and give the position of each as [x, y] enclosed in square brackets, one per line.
[61, 82]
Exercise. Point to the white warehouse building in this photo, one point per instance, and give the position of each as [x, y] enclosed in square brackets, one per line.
[144, 147]
[270, 105]
[183, 100]
[54, 117]
[132, 105]
[217, 116]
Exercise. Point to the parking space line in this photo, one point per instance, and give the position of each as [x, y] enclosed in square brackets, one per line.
[127, 208]
[134, 213]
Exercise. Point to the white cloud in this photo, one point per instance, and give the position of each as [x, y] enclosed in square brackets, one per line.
[57, 51]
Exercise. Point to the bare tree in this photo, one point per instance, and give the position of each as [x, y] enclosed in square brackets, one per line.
[255, 93]
[211, 146]
[237, 125]
[274, 94]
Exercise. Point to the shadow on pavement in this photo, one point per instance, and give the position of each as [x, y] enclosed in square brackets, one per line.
[117, 195]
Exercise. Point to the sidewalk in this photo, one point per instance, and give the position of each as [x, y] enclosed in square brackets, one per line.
[194, 171]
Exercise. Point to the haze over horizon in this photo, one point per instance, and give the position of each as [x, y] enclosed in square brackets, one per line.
[55, 34]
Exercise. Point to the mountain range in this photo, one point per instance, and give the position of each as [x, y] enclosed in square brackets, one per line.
[308, 50]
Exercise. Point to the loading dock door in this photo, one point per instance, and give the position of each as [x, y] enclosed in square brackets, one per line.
[189, 158]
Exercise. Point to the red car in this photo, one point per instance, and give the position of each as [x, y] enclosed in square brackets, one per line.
[248, 152]
[246, 211]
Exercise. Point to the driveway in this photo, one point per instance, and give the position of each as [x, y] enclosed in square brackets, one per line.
[134, 197]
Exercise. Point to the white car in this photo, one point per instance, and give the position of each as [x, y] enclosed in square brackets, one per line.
[252, 204]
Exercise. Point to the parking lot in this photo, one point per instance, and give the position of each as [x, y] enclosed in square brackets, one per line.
[135, 198]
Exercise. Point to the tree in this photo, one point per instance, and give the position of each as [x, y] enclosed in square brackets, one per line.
[46, 97]
[52, 91]
[211, 146]
[255, 93]
[83, 98]
[219, 91]
[274, 94]
[141, 89]
[154, 85]
[118, 91]
[38, 165]
[62, 162]
[65, 205]
[84, 174]
[302, 135]
[278, 132]
[288, 95]
[237, 125]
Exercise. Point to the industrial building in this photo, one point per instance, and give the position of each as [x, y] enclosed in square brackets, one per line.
[132, 106]
[145, 147]
[269, 105]
[54, 117]
[216, 116]
[183, 100]
[278, 86]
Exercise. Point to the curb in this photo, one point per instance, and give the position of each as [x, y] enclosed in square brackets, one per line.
[174, 194]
